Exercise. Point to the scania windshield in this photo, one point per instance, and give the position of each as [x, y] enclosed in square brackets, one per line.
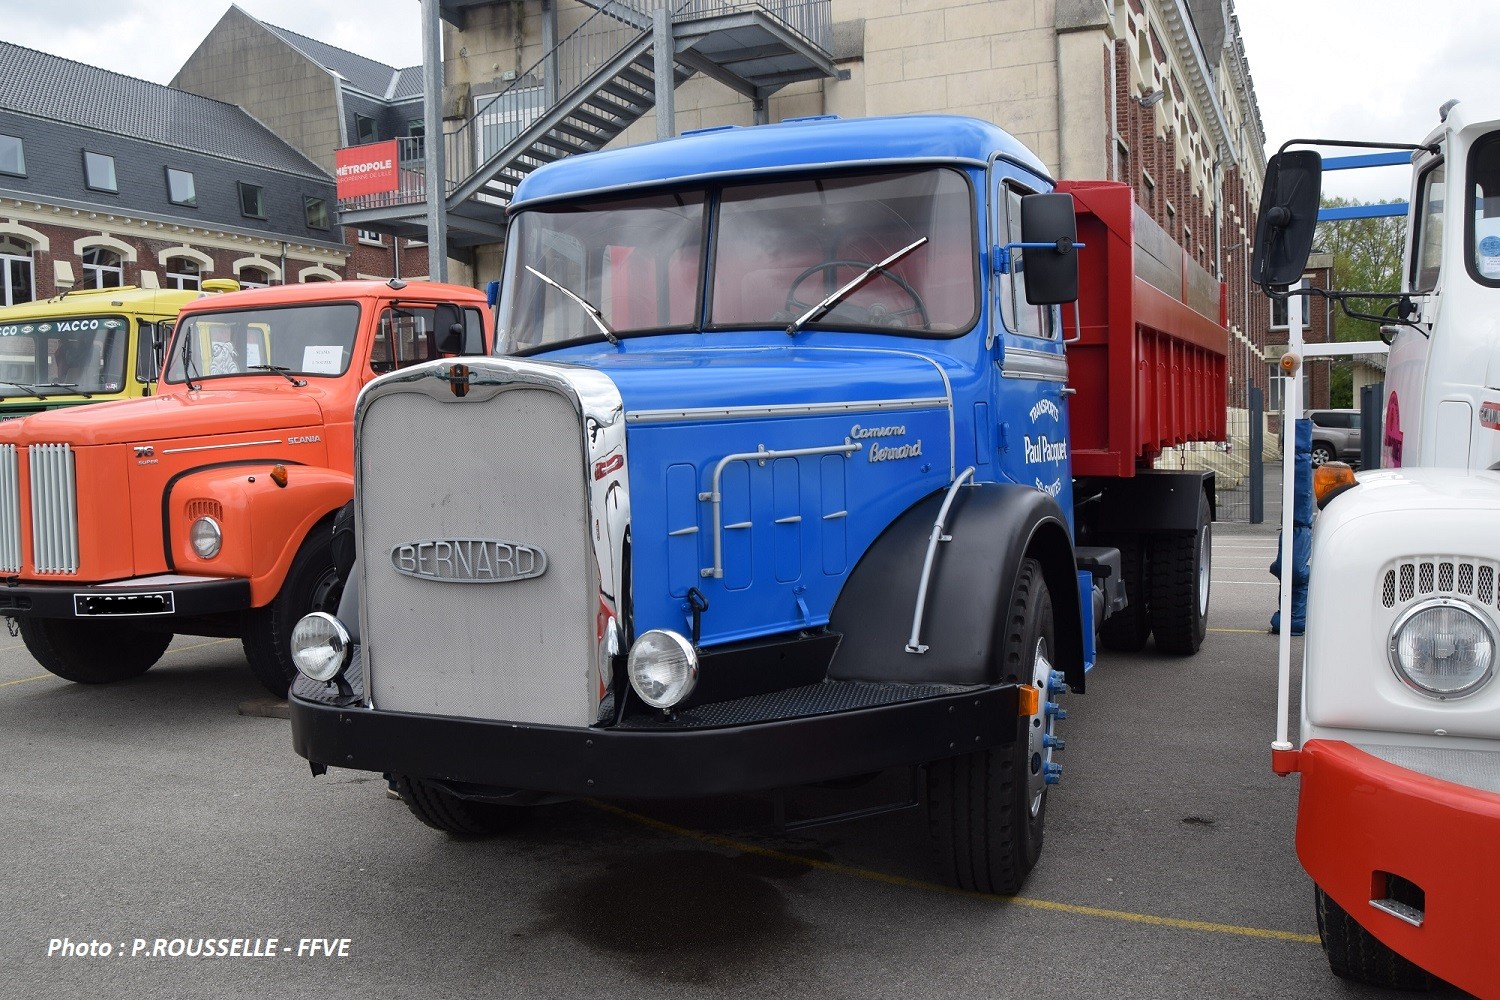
[73, 355]
[776, 251]
[315, 340]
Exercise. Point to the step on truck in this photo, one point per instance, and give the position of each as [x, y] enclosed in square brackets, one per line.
[87, 345]
[797, 468]
[206, 509]
[1398, 743]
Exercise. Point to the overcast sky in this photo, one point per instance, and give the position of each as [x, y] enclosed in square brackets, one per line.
[1339, 69]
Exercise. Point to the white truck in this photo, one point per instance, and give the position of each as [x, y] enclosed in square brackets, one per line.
[1399, 741]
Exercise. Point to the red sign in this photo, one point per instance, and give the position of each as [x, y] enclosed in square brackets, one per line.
[369, 169]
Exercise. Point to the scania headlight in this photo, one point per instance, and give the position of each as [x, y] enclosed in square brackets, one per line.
[1444, 649]
[663, 668]
[320, 646]
[207, 537]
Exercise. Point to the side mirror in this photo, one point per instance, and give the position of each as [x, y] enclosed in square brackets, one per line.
[1051, 272]
[448, 324]
[1288, 217]
[148, 353]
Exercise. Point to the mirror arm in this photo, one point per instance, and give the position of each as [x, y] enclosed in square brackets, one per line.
[1003, 255]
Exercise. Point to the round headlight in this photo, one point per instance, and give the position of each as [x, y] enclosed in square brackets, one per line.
[1443, 649]
[663, 668]
[206, 537]
[320, 646]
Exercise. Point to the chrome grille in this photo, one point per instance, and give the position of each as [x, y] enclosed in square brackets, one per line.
[10, 510]
[509, 467]
[54, 509]
[1409, 579]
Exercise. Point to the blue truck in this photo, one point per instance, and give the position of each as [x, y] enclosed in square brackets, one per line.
[772, 482]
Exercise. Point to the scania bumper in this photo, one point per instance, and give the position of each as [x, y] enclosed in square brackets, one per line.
[141, 597]
[1403, 839]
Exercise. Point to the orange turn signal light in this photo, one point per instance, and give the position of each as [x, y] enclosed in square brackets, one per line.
[1028, 700]
[1289, 362]
[278, 475]
[1330, 477]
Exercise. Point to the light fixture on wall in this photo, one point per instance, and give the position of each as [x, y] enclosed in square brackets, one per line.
[1150, 99]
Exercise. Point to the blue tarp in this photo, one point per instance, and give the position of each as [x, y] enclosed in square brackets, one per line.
[1302, 518]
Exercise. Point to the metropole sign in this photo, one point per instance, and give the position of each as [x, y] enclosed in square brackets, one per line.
[368, 169]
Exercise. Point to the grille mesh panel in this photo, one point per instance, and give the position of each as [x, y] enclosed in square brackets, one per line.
[1422, 577]
[10, 510]
[510, 468]
[54, 509]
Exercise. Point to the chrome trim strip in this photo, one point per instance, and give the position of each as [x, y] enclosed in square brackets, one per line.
[10, 509]
[835, 515]
[1035, 365]
[683, 531]
[761, 455]
[217, 447]
[794, 519]
[782, 410]
[914, 644]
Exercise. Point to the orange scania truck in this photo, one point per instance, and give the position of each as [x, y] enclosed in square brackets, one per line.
[206, 509]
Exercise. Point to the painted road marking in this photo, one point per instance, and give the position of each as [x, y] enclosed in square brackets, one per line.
[23, 680]
[833, 867]
[179, 649]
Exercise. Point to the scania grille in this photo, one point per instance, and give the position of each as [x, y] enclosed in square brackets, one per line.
[10, 510]
[54, 509]
[443, 488]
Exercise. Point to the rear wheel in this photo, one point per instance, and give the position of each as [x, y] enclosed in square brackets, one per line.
[987, 810]
[1355, 953]
[312, 584]
[1126, 631]
[442, 810]
[1180, 571]
[92, 651]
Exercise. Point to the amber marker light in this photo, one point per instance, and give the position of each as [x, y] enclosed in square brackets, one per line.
[278, 475]
[1331, 477]
[1028, 700]
[1289, 362]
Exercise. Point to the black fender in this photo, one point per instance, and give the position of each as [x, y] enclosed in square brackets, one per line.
[1151, 501]
[993, 527]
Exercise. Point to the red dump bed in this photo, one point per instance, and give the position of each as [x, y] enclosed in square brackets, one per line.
[1149, 369]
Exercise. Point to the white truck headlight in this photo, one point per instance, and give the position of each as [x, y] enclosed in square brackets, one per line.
[1443, 649]
[663, 668]
[207, 537]
[320, 646]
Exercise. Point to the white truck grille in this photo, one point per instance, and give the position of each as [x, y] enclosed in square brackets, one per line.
[1410, 579]
[54, 509]
[10, 510]
[508, 468]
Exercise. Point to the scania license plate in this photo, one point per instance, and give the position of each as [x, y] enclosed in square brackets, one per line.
[122, 605]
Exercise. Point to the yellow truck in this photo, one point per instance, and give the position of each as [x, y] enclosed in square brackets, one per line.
[87, 345]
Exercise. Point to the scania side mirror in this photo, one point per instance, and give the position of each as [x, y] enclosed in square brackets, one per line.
[448, 322]
[1052, 271]
[149, 356]
[1288, 218]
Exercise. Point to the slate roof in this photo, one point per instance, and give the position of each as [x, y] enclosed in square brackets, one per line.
[50, 87]
[365, 75]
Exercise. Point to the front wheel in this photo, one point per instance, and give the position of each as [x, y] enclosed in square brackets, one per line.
[312, 584]
[97, 651]
[1355, 953]
[987, 810]
[1321, 453]
[442, 810]
[1181, 565]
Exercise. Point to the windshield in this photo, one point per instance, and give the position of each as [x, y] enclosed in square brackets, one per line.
[780, 248]
[316, 340]
[78, 354]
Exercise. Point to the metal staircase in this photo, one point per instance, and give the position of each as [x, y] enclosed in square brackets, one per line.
[588, 89]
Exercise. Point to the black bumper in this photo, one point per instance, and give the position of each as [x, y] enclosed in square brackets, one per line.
[666, 762]
[131, 600]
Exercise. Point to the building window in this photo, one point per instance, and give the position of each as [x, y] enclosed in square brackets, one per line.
[370, 237]
[99, 172]
[16, 282]
[252, 200]
[364, 129]
[12, 156]
[183, 272]
[316, 212]
[254, 277]
[180, 187]
[102, 268]
[415, 147]
[1279, 318]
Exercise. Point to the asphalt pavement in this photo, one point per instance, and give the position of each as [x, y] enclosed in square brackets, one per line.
[152, 817]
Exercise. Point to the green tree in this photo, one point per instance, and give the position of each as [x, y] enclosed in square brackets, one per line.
[1366, 258]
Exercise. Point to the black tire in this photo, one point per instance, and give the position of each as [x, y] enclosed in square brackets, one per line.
[92, 652]
[1127, 631]
[1355, 953]
[1321, 453]
[442, 810]
[987, 810]
[312, 584]
[1181, 564]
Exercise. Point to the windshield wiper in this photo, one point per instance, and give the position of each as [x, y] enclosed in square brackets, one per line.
[60, 385]
[281, 370]
[822, 309]
[28, 388]
[187, 362]
[588, 307]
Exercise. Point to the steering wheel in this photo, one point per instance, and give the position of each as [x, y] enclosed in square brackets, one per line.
[875, 315]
